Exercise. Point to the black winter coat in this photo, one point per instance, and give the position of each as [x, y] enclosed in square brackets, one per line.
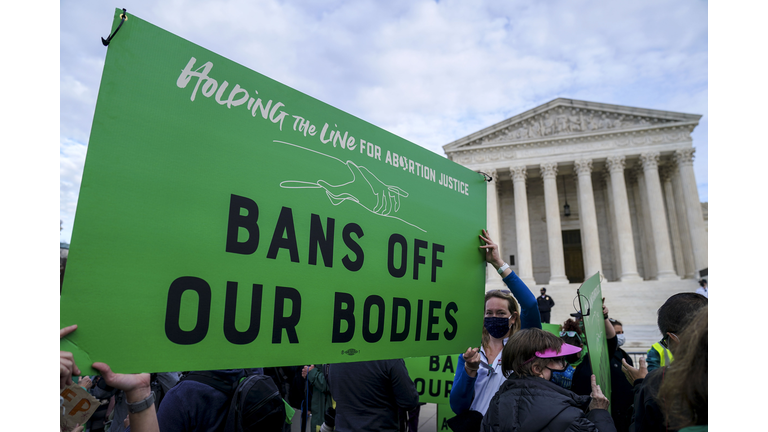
[533, 404]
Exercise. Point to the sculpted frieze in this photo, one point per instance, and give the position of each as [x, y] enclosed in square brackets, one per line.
[567, 121]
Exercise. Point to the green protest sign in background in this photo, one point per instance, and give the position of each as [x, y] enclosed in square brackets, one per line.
[444, 413]
[591, 303]
[226, 220]
[433, 377]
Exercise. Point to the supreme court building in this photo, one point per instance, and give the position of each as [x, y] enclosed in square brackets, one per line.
[579, 187]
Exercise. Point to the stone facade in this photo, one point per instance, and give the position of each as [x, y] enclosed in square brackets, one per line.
[626, 174]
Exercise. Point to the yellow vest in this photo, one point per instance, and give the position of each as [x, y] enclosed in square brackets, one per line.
[663, 353]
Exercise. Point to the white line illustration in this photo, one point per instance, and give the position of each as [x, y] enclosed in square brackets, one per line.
[364, 189]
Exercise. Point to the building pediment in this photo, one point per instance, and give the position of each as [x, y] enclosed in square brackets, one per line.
[569, 119]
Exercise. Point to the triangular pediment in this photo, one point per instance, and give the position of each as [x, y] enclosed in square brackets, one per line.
[568, 118]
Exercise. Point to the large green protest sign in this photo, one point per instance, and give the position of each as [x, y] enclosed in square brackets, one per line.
[433, 377]
[226, 220]
[591, 303]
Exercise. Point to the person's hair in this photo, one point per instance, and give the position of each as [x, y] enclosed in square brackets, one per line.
[572, 325]
[544, 289]
[513, 308]
[678, 310]
[522, 346]
[702, 282]
[683, 391]
[616, 322]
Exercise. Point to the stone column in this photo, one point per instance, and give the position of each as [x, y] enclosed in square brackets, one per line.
[588, 218]
[664, 264]
[649, 248]
[682, 223]
[641, 243]
[523, 229]
[623, 222]
[693, 208]
[615, 258]
[665, 172]
[554, 232]
[493, 224]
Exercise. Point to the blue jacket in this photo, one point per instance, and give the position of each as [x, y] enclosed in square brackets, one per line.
[466, 389]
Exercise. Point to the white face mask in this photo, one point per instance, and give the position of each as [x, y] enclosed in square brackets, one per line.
[621, 339]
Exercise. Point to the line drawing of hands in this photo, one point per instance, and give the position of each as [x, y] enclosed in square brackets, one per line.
[365, 189]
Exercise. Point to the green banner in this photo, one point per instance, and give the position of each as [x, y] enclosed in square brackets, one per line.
[433, 377]
[591, 303]
[226, 220]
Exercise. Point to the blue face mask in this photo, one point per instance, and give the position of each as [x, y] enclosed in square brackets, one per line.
[620, 339]
[565, 378]
[497, 326]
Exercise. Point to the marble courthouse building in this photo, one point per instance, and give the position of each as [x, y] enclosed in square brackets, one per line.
[579, 187]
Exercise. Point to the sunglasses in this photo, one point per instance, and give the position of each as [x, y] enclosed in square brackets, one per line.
[570, 334]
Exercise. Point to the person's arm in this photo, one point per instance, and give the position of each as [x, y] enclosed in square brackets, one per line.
[316, 378]
[551, 301]
[463, 388]
[529, 308]
[136, 388]
[406, 395]
[529, 313]
[653, 360]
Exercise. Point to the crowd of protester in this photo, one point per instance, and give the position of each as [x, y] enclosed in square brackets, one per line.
[520, 378]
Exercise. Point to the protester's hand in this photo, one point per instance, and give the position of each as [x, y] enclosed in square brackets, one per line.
[85, 382]
[126, 422]
[599, 401]
[633, 373]
[492, 254]
[472, 361]
[306, 370]
[135, 386]
[67, 365]
[605, 309]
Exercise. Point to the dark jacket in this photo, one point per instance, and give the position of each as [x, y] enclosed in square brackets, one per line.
[647, 414]
[533, 404]
[194, 406]
[368, 394]
[545, 303]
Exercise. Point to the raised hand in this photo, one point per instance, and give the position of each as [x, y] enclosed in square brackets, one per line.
[599, 401]
[633, 373]
[492, 254]
[472, 361]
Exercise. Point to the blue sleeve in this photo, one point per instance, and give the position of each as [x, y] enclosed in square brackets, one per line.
[529, 309]
[463, 388]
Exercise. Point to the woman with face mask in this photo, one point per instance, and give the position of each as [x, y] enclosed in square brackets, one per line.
[530, 401]
[478, 371]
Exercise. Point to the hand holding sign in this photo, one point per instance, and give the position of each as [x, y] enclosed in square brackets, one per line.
[472, 361]
[68, 366]
[599, 401]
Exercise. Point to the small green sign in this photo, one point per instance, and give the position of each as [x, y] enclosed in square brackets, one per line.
[226, 220]
[552, 328]
[444, 413]
[591, 303]
[433, 377]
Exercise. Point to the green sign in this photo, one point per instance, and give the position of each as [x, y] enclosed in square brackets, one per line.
[591, 303]
[552, 328]
[433, 377]
[444, 413]
[226, 220]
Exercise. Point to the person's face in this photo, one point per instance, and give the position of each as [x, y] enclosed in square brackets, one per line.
[496, 307]
[557, 364]
[543, 292]
[619, 329]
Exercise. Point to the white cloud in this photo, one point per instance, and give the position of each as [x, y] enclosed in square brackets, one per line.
[428, 71]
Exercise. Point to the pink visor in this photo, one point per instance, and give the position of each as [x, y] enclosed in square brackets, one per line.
[565, 349]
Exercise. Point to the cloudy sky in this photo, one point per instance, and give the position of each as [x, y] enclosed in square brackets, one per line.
[428, 71]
